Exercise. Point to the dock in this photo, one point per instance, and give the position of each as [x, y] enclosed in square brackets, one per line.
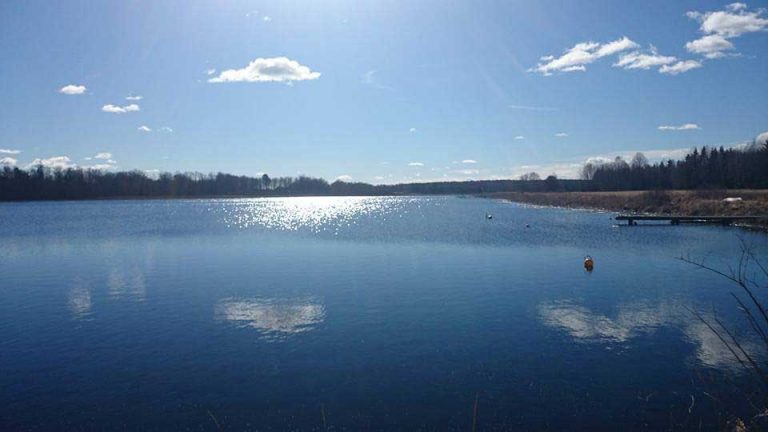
[676, 220]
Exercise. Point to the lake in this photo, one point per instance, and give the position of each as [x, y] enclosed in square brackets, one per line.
[381, 313]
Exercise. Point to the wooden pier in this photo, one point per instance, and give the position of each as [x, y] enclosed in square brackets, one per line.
[676, 220]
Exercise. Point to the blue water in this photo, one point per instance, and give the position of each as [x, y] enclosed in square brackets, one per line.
[393, 313]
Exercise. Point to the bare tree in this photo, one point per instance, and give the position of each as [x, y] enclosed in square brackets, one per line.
[639, 161]
[588, 171]
[530, 176]
[744, 276]
[619, 164]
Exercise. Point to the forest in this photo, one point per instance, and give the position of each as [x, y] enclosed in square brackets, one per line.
[704, 168]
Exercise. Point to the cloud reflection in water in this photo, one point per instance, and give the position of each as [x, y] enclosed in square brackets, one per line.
[79, 301]
[276, 318]
[131, 285]
[637, 319]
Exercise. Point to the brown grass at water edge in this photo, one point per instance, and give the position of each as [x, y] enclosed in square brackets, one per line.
[682, 203]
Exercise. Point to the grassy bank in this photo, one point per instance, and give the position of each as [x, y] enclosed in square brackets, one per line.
[684, 203]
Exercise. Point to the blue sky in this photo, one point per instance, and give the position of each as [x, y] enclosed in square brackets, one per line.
[376, 91]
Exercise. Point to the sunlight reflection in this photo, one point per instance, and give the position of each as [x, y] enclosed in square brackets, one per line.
[276, 318]
[634, 320]
[315, 213]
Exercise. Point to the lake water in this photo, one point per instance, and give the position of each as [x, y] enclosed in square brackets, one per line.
[385, 313]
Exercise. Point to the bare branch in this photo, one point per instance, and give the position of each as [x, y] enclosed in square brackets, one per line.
[755, 367]
[738, 280]
[719, 336]
[752, 321]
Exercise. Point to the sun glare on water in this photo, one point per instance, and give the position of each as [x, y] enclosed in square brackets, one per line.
[313, 213]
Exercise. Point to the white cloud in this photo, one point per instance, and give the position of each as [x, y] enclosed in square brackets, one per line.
[144, 128]
[579, 68]
[56, 162]
[8, 161]
[616, 47]
[598, 160]
[736, 6]
[9, 151]
[711, 46]
[733, 22]
[561, 134]
[469, 161]
[106, 162]
[369, 78]
[519, 137]
[100, 167]
[120, 109]
[210, 71]
[762, 139]
[134, 98]
[72, 89]
[571, 168]
[266, 18]
[344, 178]
[687, 126]
[415, 164]
[652, 155]
[468, 172]
[580, 55]
[719, 26]
[277, 69]
[165, 129]
[412, 130]
[638, 60]
[680, 67]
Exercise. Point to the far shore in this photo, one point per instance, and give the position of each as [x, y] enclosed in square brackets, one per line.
[738, 202]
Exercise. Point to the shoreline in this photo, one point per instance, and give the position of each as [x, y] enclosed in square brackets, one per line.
[744, 202]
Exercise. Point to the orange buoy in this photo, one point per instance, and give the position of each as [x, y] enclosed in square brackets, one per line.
[589, 264]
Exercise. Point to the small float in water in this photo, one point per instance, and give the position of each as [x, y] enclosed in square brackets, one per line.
[589, 263]
[488, 216]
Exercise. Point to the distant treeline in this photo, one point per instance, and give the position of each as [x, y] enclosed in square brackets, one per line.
[701, 169]
[43, 183]
[705, 168]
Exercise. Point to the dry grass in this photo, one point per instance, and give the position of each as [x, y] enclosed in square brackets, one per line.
[683, 203]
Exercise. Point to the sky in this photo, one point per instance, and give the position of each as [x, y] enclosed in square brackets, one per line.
[380, 91]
